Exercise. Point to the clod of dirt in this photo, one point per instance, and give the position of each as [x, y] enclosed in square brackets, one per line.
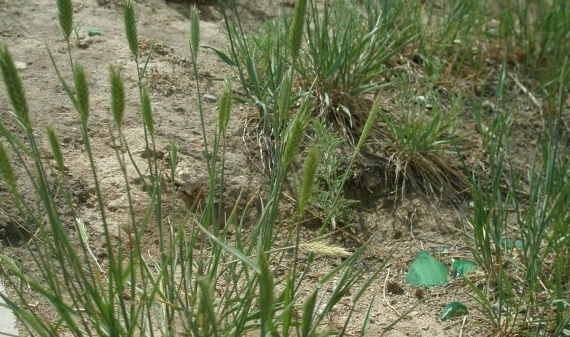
[394, 288]
[191, 179]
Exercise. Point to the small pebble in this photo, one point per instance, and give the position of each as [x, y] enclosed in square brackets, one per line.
[419, 99]
[488, 105]
[83, 44]
[20, 65]
[210, 98]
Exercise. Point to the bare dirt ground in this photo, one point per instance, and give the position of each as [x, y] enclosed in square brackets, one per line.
[27, 27]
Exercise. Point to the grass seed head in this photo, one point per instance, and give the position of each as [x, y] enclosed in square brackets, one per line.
[320, 248]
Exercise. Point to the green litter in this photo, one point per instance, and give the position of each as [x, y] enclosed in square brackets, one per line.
[94, 32]
[453, 309]
[462, 267]
[427, 271]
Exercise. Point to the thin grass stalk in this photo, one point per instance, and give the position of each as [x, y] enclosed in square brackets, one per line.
[131, 313]
[115, 265]
[288, 297]
[266, 303]
[13, 141]
[155, 188]
[217, 181]
[176, 258]
[194, 42]
[129, 20]
[156, 201]
[237, 40]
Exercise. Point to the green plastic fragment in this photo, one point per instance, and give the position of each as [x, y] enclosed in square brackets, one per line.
[462, 267]
[94, 32]
[427, 271]
[453, 309]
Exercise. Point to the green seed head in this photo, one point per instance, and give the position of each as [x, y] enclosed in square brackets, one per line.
[8, 172]
[194, 31]
[225, 105]
[147, 112]
[117, 96]
[65, 14]
[81, 91]
[54, 144]
[308, 178]
[14, 87]
[131, 27]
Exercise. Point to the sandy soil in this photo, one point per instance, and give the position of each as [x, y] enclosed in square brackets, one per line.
[27, 27]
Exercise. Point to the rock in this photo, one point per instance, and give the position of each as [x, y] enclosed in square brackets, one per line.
[190, 178]
[488, 106]
[209, 98]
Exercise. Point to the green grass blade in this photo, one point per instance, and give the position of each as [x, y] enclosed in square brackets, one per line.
[14, 141]
[308, 312]
[267, 300]
[238, 254]
[223, 56]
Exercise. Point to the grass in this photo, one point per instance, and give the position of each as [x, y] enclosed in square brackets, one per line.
[425, 90]
[201, 283]
[518, 237]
